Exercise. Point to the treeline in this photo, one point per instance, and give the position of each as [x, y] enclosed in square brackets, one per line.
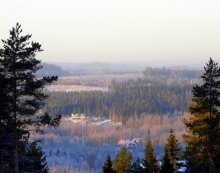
[127, 98]
[51, 70]
[165, 73]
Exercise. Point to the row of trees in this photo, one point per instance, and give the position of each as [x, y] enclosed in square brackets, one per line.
[202, 138]
[125, 99]
[122, 163]
[174, 75]
[21, 98]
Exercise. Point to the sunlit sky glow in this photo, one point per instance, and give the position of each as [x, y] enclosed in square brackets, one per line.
[154, 32]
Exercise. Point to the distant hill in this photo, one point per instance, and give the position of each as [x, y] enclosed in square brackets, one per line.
[98, 67]
[52, 70]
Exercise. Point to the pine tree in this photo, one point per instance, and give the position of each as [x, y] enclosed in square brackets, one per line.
[24, 91]
[167, 166]
[150, 161]
[123, 161]
[107, 167]
[3, 117]
[202, 138]
[173, 148]
[6, 130]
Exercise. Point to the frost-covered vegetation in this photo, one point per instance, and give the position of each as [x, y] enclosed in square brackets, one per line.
[81, 146]
[153, 91]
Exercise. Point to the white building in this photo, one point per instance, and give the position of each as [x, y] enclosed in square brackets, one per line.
[129, 143]
[78, 116]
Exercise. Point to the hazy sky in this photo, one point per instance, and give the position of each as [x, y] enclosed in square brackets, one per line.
[154, 32]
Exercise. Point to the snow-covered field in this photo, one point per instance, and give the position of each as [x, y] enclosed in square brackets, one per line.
[72, 88]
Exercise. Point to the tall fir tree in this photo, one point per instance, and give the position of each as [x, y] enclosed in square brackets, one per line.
[23, 90]
[203, 127]
[123, 161]
[107, 167]
[150, 161]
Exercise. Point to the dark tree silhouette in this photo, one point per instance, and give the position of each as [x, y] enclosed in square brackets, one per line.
[23, 90]
[107, 167]
[203, 137]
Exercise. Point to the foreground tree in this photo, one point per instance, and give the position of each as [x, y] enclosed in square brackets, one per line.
[167, 166]
[24, 93]
[150, 161]
[6, 144]
[34, 159]
[107, 167]
[123, 161]
[202, 139]
[173, 149]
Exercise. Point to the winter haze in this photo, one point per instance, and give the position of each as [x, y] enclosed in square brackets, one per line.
[153, 32]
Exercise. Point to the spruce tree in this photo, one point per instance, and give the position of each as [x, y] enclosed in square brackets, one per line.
[23, 90]
[123, 161]
[167, 166]
[107, 167]
[35, 159]
[173, 148]
[203, 127]
[150, 161]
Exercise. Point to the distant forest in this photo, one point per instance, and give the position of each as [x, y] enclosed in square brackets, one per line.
[161, 91]
[51, 70]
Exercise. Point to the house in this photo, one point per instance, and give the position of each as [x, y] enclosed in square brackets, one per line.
[136, 140]
[123, 142]
[78, 116]
[129, 143]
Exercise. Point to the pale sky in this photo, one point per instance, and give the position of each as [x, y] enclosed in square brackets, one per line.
[154, 32]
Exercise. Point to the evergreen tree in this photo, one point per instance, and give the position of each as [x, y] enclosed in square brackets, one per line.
[23, 90]
[202, 138]
[167, 166]
[35, 159]
[123, 161]
[107, 167]
[6, 144]
[173, 148]
[150, 161]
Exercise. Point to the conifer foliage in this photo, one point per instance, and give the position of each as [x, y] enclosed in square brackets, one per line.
[150, 161]
[167, 166]
[107, 167]
[174, 150]
[35, 159]
[23, 96]
[202, 137]
[122, 162]
[172, 154]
